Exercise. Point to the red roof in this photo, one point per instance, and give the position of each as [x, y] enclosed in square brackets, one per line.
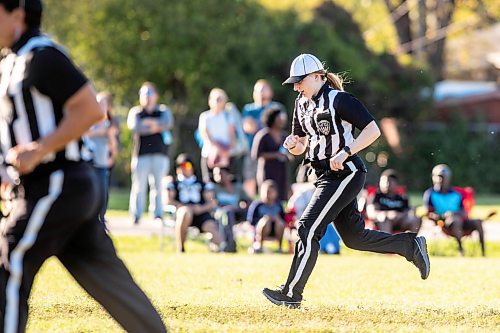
[484, 107]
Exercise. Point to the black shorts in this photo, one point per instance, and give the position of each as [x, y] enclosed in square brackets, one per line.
[199, 220]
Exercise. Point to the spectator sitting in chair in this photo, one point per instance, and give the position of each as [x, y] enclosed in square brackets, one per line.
[267, 216]
[194, 201]
[232, 201]
[230, 194]
[389, 209]
[445, 204]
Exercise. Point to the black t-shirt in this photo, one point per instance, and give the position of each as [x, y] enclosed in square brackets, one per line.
[329, 120]
[41, 80]
[385, 202]
[150, 143]
[189, 190]
[54, 75]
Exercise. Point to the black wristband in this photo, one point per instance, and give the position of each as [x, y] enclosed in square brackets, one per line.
[347, 150]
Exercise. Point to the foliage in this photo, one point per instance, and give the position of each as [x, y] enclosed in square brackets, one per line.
[353, 292]
[189, 47]
[472, 156]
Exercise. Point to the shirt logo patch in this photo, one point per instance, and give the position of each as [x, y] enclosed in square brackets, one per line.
[324, 127]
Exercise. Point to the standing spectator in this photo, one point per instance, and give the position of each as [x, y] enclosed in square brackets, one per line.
[149, 123]
[218, 134]
[100, 138]
[114, 129]
[57, 194]
[194, 202]
[252, 123]
[267, 217]
[389, 209]
[240, 148]
[271, 156]
[443, 203]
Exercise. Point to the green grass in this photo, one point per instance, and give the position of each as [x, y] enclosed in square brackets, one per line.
[118, 199]
[353, 292]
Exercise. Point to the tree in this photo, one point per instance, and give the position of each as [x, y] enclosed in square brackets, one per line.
[188, 47]
[423, 26]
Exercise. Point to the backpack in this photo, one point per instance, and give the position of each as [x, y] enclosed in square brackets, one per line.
[330, 243]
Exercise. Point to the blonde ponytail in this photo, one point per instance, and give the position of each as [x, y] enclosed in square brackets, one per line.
[336, 81]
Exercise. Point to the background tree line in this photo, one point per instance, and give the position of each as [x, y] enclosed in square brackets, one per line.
[188, 47]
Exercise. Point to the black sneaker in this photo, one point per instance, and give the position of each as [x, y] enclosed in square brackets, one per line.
[421, 257]
[277, 297]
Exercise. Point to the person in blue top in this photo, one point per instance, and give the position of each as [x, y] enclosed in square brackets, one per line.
[252, 123]
[267, 216]
[443, 203]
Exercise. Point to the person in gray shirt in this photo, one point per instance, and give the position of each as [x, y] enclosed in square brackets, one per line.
[98, 139]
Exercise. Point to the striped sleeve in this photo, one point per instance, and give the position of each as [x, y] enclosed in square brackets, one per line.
[55, 75]
[352, 110]
[296, 126]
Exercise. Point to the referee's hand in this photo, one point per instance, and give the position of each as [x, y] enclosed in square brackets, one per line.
[337, 161]
[291, 141]
[25, 157]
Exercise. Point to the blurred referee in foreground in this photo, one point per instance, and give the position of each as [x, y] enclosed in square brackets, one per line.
[46, 104]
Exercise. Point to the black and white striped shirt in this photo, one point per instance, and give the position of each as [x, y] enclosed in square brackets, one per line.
[329, 120]
[37, 78]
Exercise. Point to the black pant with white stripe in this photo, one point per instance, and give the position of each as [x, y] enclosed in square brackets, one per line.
[58, 215]
[335, 200]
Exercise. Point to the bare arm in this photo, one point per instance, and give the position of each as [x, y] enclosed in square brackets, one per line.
[170, 200]
[208, 206]
[367, 136]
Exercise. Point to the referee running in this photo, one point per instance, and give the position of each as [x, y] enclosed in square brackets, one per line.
[46, 104]
[323, 125]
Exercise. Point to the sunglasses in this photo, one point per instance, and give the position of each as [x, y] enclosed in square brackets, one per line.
[148, 91]
[186, 165]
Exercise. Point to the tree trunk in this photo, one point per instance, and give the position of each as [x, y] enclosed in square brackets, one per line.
[420, 29]
[440, 13]
[401, 22]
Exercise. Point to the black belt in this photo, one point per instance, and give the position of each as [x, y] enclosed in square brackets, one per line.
[324, 165]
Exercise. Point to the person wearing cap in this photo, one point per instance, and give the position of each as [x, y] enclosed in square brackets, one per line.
[151, 124]
[443, 203]
[323, 124]
[47, 104]
[252, 123]
[389, 208]
[194, 201]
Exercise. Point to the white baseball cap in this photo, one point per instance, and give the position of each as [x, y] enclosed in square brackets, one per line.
[302, 66]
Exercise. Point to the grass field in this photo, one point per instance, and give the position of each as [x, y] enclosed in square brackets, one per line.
[353, 292]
